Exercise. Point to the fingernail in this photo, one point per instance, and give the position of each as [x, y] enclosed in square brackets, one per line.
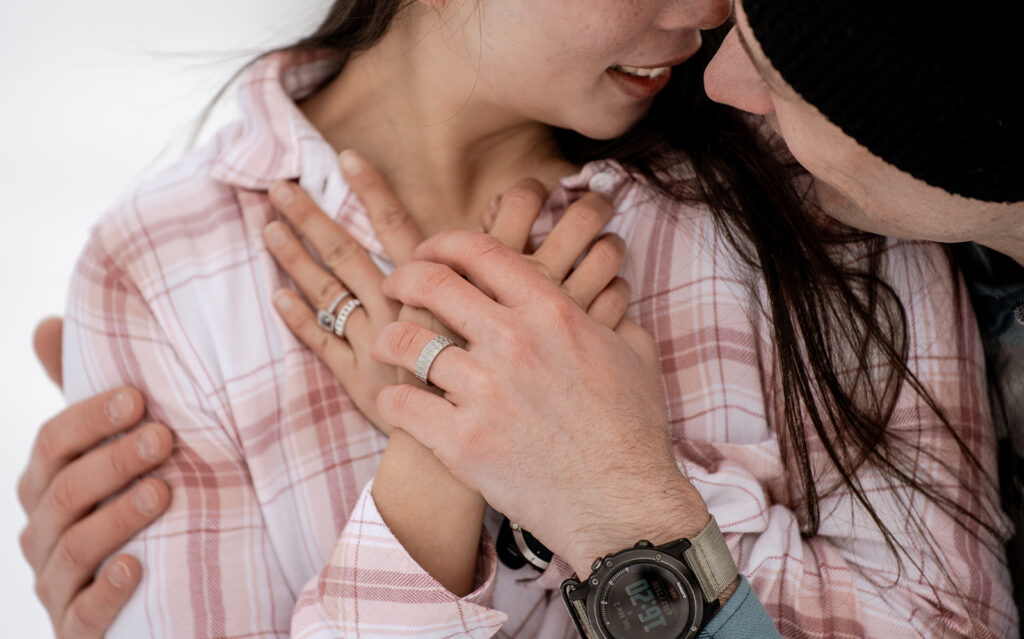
[282, 193]
[120, 407]
[119, 574]
[147, 445]
[144, 499]
[274, 235]
[349, 162]
[282, 301]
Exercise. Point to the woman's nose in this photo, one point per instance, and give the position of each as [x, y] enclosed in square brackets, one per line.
[694, 14]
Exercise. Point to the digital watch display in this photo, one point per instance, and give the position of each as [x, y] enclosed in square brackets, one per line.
[648, 598]
[654, 592]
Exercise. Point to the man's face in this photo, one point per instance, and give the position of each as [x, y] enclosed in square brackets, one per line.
[852, 184]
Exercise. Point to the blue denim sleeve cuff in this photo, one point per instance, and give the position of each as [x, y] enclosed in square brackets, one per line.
[742, 616]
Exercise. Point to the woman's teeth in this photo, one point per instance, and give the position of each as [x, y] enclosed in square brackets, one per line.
[641, 72]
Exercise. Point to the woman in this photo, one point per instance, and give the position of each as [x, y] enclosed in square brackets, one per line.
[748, 378]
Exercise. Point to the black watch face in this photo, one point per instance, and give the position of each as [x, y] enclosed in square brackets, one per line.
[644, 600]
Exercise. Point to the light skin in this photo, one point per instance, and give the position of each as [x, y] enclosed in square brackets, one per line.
[432, 104]
[852, 184]
[435, 517]
[71, 471]
[451, 83]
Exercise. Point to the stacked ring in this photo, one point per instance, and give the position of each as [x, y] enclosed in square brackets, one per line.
[326, 319]
[343, 315]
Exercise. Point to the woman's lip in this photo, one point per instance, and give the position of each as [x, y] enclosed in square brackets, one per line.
[638, 87]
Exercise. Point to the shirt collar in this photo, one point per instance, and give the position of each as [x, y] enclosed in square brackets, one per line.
[267, 148]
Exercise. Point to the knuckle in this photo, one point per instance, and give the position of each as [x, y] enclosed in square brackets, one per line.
[391, 216]
[44, 592]
[66, 555]
[483, 245]
[542, 267]
[49, 443]
[609, 255]
[119, 460]
[25, 491]
[301, 210]
[560, 311]
[399, 398]
[329, 289]
[26, 541]
[588, 213]
[62, 495]
[435, 278]
[340, 250]
[403, 338]
[81, 621]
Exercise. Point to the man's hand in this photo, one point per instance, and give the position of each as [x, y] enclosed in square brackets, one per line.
[557, 420]
[72, 471]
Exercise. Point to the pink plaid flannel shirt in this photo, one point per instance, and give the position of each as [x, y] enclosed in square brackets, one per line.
[272, 531]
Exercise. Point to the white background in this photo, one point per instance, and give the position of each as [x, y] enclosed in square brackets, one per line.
[91, 96]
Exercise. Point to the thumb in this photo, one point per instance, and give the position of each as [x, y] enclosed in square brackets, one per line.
[48, 340]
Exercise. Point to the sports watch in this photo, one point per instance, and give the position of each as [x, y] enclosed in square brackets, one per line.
[656, 592]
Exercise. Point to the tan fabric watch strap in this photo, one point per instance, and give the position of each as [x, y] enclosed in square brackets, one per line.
[711, 561]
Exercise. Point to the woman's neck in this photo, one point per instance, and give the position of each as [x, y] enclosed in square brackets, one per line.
[416, 113]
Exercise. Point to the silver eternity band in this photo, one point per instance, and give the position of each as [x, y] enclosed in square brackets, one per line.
[326, 319]
[428, 355]
[343, 315]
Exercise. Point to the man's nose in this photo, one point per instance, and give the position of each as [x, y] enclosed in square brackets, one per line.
[731, 78]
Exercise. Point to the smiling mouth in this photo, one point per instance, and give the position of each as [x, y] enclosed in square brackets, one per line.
[642, 72]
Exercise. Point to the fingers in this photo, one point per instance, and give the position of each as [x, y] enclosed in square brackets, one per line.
[345, 258]
[459, 305]
[86, 544]
[598, 269]
[640, 341]
[493, 267]
[517, 211]
[87, 481]
[573, 234]
[431, 418]
[609, 307]
[94, 609]
[336, 353]
[47, 340]
[401, 343]
[74, 431]
[395, 228]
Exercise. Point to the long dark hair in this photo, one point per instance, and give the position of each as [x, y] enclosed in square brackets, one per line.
[828, 316]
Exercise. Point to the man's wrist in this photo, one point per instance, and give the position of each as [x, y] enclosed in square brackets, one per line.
[678, 513]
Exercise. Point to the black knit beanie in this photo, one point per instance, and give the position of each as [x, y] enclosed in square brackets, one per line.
[934, 88]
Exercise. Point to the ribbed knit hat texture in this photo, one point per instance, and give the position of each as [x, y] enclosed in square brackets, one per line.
[934, 88]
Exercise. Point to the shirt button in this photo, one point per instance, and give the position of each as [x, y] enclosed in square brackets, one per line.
[602, 183]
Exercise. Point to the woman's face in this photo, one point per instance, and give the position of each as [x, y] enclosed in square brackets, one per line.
[593, 66]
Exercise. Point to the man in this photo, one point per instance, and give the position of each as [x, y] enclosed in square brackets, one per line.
[902, 114]
[906, 135]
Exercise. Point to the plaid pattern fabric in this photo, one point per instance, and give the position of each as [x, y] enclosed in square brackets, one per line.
[272, 531]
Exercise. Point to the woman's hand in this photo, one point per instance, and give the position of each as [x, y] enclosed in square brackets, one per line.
[72, 471]
[558, 421]
[592, 285]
